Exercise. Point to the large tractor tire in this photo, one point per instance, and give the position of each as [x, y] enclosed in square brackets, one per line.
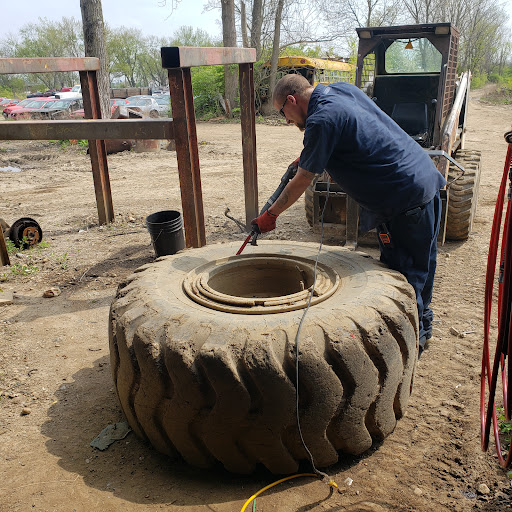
[202, 348]
[463, 195]
[309, 203]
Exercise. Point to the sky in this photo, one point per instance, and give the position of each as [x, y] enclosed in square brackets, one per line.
[147, 15]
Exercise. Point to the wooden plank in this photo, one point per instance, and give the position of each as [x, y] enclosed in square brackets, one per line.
[248, 124]
[182, 104]
[48, 65]
[87, 129]
[189, 56]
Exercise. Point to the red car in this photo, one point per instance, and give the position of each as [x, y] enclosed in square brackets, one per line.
[4, 102]
[8, 103]
[21, 104]
[114, 102]
[36, 103]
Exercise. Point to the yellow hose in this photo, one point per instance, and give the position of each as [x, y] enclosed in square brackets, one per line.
[254, 496]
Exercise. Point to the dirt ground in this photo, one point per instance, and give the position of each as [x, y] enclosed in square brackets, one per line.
[56, 390]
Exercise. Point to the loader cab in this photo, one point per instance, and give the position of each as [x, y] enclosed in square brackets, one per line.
[410, 73]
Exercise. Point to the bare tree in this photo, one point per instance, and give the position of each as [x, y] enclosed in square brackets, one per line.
[256, 26]
[275, 47]
[243, 25]
[94, 43]
[229, 40]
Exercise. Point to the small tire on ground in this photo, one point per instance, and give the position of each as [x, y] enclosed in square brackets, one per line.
[213, 386]
[463, 194]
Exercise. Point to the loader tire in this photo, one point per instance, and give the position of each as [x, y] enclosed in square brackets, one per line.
[463, 195]
[208, 385]
[309, 198]
[309, 202]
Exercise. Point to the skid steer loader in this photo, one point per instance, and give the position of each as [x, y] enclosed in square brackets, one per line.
[411, 74]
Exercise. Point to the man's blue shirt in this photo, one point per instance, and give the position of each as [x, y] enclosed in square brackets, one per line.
[366, 153]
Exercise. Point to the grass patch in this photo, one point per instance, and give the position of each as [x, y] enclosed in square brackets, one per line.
[12, 249]
[19, 269]
[502, 95]
[81, 143]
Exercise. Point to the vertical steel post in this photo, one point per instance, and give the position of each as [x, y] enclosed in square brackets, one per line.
[4, 255]
[97, 149]
[248, 122]
[185, 136]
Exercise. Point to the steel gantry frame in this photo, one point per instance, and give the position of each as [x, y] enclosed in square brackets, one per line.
[182, 128]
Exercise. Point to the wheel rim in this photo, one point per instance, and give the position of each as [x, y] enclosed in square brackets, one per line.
[261, 284]
[31, 233]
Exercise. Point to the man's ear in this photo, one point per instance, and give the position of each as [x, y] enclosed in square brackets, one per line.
[292, 99]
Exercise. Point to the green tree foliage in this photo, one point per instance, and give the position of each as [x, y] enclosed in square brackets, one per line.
[12, 86]
[125, 47]
[208, 87]
[47, 38]
[188, 36]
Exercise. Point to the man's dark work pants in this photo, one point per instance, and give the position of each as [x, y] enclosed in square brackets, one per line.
[413, 252]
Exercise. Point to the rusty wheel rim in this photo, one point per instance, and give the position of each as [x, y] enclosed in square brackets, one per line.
[259, 285]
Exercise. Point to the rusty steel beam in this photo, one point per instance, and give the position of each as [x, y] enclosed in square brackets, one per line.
[4, 255]
[182, 103]
[97, 150]
[48, 65]
[87, 129]
[248, 124]
[186, 57]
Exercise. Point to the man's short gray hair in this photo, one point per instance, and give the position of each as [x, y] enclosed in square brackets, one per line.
[290, 84]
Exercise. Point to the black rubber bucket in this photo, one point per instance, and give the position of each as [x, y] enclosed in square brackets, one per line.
[166, 230]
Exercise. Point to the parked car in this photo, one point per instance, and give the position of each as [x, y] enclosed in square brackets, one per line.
[118, 102]
[59, 109]
[47, 94]
[146, 105]
[35, 104]
[12, 103]
[114, 102]
[164, 105]
[75, 92]
[78, 114]
[21, 104]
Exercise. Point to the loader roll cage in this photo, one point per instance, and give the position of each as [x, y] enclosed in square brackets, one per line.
[410, 72]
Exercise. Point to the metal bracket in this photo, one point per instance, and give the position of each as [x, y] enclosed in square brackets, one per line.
[437, 152]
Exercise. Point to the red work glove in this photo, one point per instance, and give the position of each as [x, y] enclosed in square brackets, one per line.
[265, 222]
